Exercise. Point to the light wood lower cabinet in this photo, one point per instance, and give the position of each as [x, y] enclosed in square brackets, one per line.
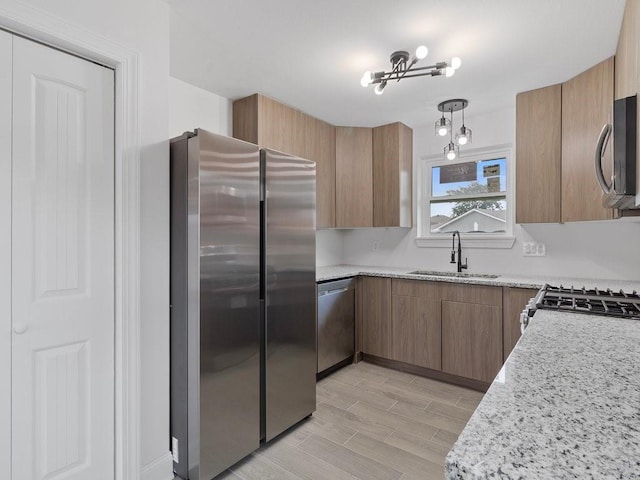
[375, 316]
[415, 331]
[416, 323]
[453, 328]
[513, 302]
[471, 340]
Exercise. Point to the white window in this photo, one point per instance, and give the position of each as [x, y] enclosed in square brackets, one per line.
[472, 194]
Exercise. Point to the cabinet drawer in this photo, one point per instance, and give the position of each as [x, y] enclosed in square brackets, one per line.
[417, 288]
[478, 294]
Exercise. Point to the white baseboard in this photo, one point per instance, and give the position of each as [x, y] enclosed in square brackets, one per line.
[160, 469]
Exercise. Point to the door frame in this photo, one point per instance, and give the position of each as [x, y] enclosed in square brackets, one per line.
[43, 27]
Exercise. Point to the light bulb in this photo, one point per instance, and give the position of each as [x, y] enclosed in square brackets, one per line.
[366, 79]
[443, 125]
[449, 71]
[421, 52]
[464, 135]
[455, 63]
[380, 88]
[451, 151]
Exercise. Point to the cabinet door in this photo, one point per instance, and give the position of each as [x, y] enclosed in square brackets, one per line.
[587, 103]
[471, 340]
[354, 177]
[626, 59]
[513, 301]
[539, 155]
[416, 331]
[375, 303]
[392, 170]
[320, 146]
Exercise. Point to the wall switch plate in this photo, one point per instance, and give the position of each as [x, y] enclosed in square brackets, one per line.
[533, 249]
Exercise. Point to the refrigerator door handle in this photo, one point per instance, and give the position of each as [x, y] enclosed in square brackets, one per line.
[603, 139]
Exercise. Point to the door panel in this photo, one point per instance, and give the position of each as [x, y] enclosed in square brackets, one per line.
[5, 249]
[63, 266]
[290, 291]
[471, 340]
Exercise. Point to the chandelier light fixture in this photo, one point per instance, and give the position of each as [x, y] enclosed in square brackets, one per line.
[444, 126]
[403, 66]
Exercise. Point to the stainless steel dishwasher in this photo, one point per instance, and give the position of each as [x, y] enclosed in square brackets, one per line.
[336, 324]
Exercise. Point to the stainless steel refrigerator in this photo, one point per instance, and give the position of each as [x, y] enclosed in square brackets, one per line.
[243, 341]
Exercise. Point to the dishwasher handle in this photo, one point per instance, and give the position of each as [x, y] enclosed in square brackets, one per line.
[332, 292]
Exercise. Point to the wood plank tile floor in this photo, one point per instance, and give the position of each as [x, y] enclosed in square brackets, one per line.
[370, 423]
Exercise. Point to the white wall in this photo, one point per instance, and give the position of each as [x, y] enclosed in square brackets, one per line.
[192, 107]
[329, 247]
[141, 26]
[586, 249]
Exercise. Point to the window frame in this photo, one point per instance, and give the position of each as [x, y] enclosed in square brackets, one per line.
[424, 236]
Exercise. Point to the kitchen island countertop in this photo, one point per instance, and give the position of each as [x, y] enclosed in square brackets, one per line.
[503, 280]
[566, 405]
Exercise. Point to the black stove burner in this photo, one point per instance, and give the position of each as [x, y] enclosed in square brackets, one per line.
[593, 301]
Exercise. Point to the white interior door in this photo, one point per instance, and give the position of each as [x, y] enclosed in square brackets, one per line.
[5, 249]
[62, 266]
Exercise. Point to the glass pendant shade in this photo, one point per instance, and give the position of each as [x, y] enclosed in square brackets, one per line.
[464, 136]
[443, 127]
[451, 151]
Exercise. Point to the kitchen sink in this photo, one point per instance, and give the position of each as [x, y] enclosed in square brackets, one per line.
[431, 273]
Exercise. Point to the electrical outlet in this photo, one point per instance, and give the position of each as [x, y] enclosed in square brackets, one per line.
[533, 249]
[174, 449]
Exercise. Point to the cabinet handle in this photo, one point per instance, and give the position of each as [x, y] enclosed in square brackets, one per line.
[20, 327]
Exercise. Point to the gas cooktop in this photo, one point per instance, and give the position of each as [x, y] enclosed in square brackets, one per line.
[593, 301]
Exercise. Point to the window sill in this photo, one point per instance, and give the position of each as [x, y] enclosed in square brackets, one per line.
[484, 241]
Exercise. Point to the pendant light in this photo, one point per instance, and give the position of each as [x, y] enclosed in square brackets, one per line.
[464, 135]
[451, 151]
[445, 125]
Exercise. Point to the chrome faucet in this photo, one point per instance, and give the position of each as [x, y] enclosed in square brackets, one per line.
[461, 266]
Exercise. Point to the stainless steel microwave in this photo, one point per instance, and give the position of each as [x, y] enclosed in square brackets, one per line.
[620, 191]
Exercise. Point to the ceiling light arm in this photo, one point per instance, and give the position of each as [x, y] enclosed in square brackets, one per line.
[402, 66]
[433, 70]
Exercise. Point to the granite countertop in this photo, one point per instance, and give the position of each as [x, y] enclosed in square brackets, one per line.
[507, 280]
[565, 405]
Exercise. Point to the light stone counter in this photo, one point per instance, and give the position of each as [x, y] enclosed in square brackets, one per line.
[507, 280]
[566, 405]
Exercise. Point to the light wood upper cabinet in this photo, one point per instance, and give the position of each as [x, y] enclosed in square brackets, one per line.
[626, 60]
[270, 124]
[392, 179]
[587, 102]
[354, 177]
[514, 301]
[539, 155]
[375, 315]
[320, 146]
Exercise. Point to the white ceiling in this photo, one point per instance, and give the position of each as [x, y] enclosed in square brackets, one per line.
[311, 54]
